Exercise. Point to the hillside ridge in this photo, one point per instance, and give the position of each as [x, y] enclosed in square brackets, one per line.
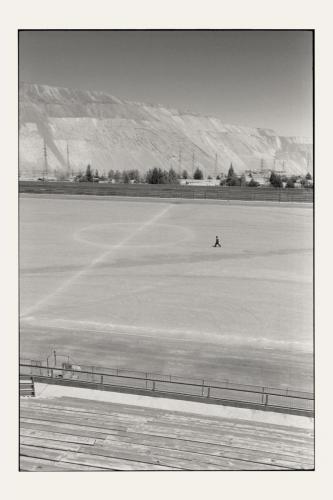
[80, 127]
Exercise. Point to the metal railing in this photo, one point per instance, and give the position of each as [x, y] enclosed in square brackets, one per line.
[203, 390]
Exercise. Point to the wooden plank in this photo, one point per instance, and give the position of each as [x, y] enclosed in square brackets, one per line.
[73, 419]
[57, 436]
[203, 439]
[40, 452]
[70, 429]
[66, 422]
[76, 417]
[98, 406]
[48, 444]
[254, 430]
[212, 454]
[31, 464]
[156, 427]
[184, 460]
[109, 462]
[220, 438]
[128, 453]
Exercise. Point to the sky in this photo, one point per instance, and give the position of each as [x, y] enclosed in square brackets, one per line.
[250, 78]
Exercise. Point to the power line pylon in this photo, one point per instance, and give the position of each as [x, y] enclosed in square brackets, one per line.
[45, 173]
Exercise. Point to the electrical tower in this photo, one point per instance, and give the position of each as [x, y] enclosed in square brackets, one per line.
[45, 173]
[215, 167]
[193, 161]
[180, 161]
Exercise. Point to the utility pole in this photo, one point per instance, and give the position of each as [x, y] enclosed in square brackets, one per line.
[215, 168]
[68, 163]
[45, 161]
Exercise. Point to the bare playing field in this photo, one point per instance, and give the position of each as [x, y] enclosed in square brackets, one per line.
[137, 284]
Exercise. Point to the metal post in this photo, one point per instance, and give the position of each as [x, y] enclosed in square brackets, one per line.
[55, 358]
[208, 392]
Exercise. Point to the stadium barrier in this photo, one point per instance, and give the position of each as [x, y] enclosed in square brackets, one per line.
[303, 195]
[226, 392]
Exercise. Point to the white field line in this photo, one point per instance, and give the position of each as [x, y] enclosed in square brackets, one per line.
[94, 262]
[170, 334]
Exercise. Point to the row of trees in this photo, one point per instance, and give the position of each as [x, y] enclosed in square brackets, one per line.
[279, 180]
[159, 176]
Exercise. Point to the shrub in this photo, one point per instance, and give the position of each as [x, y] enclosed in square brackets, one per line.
[172, 177]
[290, 183]
[275, 180]
[157, 176]
[117, 176]
[253, 183]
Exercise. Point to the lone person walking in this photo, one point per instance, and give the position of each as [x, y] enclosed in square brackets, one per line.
[217, 242]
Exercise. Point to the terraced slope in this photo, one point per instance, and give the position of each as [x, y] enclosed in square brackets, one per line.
[107, 132]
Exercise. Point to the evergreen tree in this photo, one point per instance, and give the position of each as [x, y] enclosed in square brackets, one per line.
[232, 179]
[231, 172]
[198, 174]
[89, 174]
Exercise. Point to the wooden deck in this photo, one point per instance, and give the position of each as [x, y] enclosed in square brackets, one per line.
[71, 434]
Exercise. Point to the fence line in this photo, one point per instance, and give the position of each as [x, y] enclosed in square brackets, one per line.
[219, 391]
[171, 191]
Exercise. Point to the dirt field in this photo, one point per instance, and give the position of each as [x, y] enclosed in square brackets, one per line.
[137, 284]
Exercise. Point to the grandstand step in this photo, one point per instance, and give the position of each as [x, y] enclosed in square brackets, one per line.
[27, 387]
[212, 453]
[187, 460]
[204, 424]
[132, 412]
[71, 433]
[205, 436]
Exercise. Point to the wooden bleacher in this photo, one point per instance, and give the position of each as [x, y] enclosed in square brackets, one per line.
[27, 386]
[71, 434]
